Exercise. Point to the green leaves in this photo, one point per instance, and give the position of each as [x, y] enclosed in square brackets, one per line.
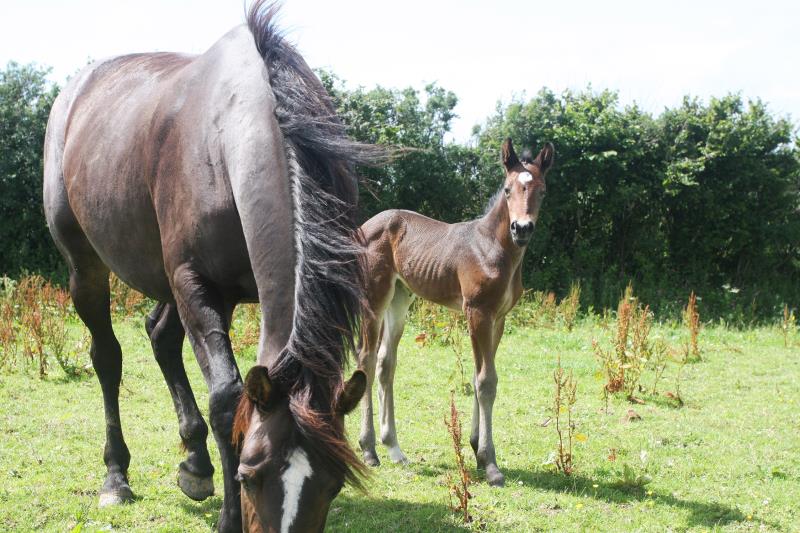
[25, 100]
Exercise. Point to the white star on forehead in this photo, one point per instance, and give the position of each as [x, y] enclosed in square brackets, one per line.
[524, 177]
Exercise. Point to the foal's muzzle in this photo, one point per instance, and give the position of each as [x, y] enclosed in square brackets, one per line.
[521, 232]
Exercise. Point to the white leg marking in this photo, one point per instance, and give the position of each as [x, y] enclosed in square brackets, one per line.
[293, 478]
[524, 177]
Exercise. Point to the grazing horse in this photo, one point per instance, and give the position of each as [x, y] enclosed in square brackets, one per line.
[474, 266]
[204, 181]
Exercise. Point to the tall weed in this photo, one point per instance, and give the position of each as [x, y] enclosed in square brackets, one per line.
[631, 348]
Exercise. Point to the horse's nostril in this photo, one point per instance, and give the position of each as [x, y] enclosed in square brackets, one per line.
[514, 226]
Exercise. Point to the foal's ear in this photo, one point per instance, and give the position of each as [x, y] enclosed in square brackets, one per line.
[352, 392]
[257, 385]
[546, 157]
[508, 155]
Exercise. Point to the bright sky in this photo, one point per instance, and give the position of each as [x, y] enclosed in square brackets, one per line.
[651, 52]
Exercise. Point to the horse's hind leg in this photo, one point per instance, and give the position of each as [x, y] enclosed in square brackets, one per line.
[393, 325]
[195, 474]
[88, 285]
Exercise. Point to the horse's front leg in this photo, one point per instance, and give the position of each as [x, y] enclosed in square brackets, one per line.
[482, 327]
[206, 318]
[195, 474]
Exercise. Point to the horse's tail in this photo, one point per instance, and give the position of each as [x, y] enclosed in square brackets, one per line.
[328, 294]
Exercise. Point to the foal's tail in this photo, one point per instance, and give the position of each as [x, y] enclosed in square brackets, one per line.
[328, 274]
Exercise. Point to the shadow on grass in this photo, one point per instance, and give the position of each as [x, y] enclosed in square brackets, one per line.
[359, 513]
[364, 513]
[707, 514]
[207, 509]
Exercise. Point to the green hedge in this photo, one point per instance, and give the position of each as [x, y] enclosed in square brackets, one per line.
[702, 197]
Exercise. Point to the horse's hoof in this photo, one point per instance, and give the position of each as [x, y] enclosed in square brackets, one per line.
[117, 496]
[196, 487]
[397, 456]
[494, 477]
[371, 459]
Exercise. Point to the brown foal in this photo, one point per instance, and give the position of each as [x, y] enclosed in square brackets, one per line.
[474, 266]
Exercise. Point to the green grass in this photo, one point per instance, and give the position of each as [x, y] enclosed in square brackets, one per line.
[728, 460]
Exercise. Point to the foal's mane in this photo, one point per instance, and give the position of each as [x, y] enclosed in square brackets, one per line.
[328, 293]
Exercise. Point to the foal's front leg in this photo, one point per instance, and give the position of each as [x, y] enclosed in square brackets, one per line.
[482, 327]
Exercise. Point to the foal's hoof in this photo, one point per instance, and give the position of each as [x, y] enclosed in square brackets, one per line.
[117, 496]
[494, 477]
[371, 458]
[196, 487]
[397, 456]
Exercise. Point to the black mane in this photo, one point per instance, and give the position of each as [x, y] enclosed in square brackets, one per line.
[328, 288]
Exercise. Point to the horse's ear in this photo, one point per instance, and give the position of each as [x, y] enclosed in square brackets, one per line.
[352, 392]
[508, 155]
[546, 157]
[257, 385]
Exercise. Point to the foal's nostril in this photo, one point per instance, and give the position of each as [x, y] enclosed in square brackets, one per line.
[522, 231]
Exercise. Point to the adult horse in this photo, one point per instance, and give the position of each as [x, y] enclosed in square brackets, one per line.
[473, 266]
[204, 181]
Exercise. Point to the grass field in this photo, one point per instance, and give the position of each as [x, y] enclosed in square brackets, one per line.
[728, 460]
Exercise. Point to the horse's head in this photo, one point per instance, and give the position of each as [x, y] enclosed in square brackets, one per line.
[524, 188]
[289, 475]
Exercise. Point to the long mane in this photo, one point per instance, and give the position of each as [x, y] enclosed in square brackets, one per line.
[328, 293]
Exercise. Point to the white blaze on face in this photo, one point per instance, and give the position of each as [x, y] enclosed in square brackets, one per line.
[293, 478]
[524, 177]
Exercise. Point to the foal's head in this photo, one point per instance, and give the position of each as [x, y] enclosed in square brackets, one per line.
[524, 188]
[293, 462]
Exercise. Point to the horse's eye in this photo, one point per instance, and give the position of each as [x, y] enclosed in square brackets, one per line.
[246, 481]
[507, 190]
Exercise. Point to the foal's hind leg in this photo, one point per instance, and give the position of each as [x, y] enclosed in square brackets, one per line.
[380, 291]
[370, 338]
[195, 474]
[393, 324]
[88, 285]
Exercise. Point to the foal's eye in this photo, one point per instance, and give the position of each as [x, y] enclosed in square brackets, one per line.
[507, 190]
